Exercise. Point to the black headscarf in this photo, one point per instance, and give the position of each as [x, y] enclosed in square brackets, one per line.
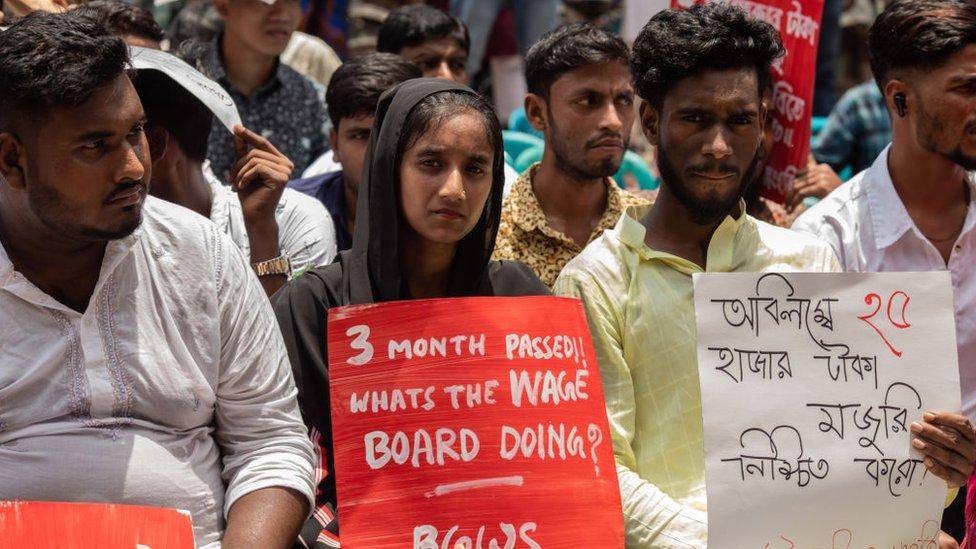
[370, 271]
[373, 269]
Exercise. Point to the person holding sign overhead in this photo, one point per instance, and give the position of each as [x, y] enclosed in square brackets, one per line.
[429, 207]
[704, 112]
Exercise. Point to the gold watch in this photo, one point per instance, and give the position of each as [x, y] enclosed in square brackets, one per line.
[277, 266]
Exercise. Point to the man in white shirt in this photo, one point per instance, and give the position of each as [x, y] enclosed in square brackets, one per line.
[140, 362]
[269, 223]
[913, 209]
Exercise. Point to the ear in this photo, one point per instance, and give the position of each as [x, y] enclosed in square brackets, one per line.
[334, 143]
[897, 87]
[158, 143]
[650, 123]
[536, 112]
[12, 159]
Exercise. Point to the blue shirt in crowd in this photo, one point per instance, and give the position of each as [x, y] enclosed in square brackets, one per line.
[329, 189]
[857, 130]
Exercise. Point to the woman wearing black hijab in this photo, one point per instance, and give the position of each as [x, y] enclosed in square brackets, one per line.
[428, 210]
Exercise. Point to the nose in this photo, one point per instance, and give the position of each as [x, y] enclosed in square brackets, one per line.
[133, 166]
[718, 145]
[611, 119]
[443, 71]
[453, 188]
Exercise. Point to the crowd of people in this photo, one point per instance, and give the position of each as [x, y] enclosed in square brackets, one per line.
[165, 282]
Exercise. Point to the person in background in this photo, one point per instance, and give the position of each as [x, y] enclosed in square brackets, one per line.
[532, 20]
[141, 359]
[281, 231]
[131, 23]
[857, 130]
[703, 110]
[581, 98]
[352, 95]
[436, 41]
[913, 209]
[274, 100]
[429, 204]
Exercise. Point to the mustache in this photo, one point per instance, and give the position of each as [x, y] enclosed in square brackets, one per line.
[607, 136]
[126, 188]
[716, 167]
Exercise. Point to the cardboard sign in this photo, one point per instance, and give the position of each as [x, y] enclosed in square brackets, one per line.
[212, 94]
[475, 423]
[810, 383]
[793, 81]
[49, 525]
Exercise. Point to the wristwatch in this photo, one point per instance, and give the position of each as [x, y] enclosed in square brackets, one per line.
[277, 266]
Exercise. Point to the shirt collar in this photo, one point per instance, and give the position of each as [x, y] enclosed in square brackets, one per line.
[721, 248]
[529, 216]
[889, 217]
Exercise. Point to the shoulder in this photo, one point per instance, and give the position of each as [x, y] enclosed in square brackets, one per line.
[315, 184]
[514, 278]
[841, 207]
[802, 251]
[606, 258]
[294, 203]
[173, 224]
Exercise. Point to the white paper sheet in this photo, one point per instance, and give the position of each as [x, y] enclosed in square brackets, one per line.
[211, 93]
[789, 363]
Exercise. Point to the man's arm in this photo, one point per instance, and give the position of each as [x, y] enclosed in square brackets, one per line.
[259, 176]
[651, 517]
[266, 452]
[246, 527]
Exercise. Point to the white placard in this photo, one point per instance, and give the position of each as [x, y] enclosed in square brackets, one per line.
[809, 383]
[213, 95]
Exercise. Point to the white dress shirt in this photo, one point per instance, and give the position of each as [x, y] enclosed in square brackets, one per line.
[869, 228]
[173, 388]
[306, 233]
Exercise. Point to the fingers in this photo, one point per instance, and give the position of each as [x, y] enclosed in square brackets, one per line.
[260, 171]
[946, 437]
[955, 421]
[281, 161]
[254, 140]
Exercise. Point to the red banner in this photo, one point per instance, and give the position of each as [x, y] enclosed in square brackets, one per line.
[48, 525]
[476, 423]
[793, 80]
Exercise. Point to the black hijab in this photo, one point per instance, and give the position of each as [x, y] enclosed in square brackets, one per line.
[370, 271]
[372, 266]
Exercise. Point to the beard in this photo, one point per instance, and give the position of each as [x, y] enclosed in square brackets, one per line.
[55, 213]
[710, 209]
[573, 162]
[931, 130]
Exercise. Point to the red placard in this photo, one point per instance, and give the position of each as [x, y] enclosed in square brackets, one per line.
[49, 525]
[476, 423]
[793, 80]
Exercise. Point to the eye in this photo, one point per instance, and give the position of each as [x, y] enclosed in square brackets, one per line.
[741, 120]
[94, 145]
[476, 170]
[457, 66]
[137, 130]
[430, 163]
[626, 100]
[693, 118]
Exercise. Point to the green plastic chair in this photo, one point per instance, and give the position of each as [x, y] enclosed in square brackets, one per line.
[517, 142]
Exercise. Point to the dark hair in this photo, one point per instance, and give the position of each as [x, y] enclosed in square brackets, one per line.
[356, 86]
[170, 106]
[919, 34]
[435, 109]
[678, 44]
[568, 48]
[198, 21]
[414, 24]
[124, 19]
[50, 60]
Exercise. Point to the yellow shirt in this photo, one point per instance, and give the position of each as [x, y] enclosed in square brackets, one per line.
[640, 308]
[525, 235]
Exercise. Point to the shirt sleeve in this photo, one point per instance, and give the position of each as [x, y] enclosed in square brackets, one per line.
[651, 517]
[836, 143]
[306, 232]
[258, 425]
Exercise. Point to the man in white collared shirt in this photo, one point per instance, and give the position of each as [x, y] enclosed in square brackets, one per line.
[140, 362]
[913, 209]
